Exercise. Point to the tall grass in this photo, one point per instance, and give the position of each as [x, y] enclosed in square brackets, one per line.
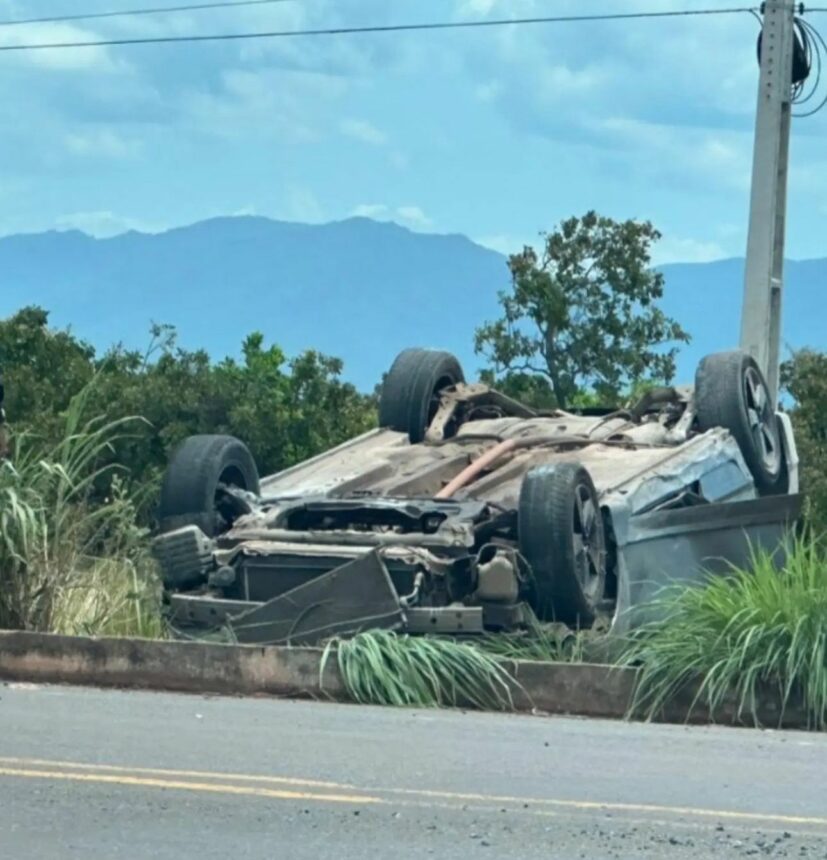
[759, 632]
[381, 667]
[71, 562]
[540, 642]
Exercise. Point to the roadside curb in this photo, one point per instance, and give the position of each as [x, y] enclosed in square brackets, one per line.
[577, 689]
[189, 667]
[198, 667]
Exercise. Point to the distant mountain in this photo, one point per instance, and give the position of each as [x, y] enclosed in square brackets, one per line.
[358, 289]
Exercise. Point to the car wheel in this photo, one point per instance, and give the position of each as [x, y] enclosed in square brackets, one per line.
[191, 493]
[412, 388]
[563, 538]
[731, 392]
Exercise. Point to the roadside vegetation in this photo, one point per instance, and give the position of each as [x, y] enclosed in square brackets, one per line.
[73, 558]
[78, 494]
[757, 636]
[384, 668]
[285, 409]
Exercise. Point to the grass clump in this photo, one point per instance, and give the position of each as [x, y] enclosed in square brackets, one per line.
[540, 642]
[759, 632]
[72, 557]
[380, 667]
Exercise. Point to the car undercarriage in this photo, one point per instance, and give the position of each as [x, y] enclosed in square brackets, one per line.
[467, 511]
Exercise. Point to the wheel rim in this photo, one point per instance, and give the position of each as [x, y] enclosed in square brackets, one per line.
[589, 550]
[762, 423]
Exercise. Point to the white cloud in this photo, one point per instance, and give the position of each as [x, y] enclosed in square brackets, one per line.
[363, 131]
[502, 243]
[414, 216]
[301, 204]
[377, 211]
[102, 143]
[670, 249]
[409, 216]
[58, 59]
[105, 224]
[674, 249]
[265, 103]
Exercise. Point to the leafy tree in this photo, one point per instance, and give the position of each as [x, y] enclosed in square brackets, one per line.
[285, 409]
[583, 314]
[42, 369]
[805, 378]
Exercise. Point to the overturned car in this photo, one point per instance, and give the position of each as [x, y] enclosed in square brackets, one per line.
[468, 511]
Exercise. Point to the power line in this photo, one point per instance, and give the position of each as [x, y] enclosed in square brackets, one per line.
[379, 28]
[89, 16]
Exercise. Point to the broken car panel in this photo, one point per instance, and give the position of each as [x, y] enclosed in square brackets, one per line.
[466, 510]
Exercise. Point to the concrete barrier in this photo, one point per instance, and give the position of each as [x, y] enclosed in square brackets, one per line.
[192, 667]
[587, 690]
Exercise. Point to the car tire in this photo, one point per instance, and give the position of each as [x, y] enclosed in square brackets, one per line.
[410, 392]
[562, 537]
[731, 392]
[190, 489]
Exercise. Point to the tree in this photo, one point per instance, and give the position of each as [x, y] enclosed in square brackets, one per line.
[285, 409]
[583, 313]
[804, 377]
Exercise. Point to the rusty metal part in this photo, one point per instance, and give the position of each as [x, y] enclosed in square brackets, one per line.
[466, 398]
[357, 596]
[476, 468]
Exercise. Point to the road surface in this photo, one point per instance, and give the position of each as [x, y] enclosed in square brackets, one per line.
[103, 774]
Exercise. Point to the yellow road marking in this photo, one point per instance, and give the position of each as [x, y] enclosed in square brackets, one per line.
[596, 805]
[348, 793]
[187, 785]
[194, 774]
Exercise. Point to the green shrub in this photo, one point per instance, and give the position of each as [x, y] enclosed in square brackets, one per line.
[755, 633]
[382, 668]
[69, 564]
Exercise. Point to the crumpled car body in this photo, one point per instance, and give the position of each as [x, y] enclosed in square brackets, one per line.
[469, 512]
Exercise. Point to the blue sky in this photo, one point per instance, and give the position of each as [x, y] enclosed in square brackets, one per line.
[497, 134]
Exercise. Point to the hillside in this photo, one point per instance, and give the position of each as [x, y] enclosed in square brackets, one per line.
[358, 289]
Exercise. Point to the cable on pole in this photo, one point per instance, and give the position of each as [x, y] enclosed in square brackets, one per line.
[814, 47]
[809, 58]
[123, 13]
[378, 28]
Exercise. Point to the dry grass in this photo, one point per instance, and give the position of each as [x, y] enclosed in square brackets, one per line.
[69, 561]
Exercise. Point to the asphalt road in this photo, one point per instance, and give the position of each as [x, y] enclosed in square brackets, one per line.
[100, 775]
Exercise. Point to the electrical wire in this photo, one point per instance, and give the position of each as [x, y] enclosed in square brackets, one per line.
[809, 58]
[158, 10]
[815, 54]
[379, 28]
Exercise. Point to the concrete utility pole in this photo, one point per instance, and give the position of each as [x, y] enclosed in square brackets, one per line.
[761, 315]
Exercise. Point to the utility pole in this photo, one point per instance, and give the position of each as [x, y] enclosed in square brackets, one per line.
[761, 314]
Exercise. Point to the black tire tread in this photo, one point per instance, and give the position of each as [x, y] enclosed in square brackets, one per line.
[546, 517]
[719, 402]
[409, 385]
[191, 479]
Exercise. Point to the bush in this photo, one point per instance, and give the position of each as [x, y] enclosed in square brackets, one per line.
[757, 632]
[68, 565]
[805, 379]
[382, 668]
[286, 409]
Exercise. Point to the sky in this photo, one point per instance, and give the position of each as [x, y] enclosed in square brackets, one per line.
[496, 133]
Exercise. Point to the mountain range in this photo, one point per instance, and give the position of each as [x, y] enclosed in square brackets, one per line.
[358, 289]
